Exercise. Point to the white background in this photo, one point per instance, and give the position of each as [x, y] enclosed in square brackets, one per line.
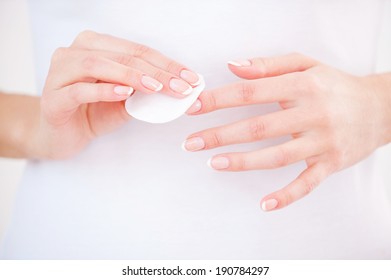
[17, 75]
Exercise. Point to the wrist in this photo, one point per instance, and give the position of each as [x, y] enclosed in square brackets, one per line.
[19, 122]
[32, 140]
[379, 86]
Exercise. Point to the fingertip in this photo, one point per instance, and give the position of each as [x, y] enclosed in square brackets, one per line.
[191, 77]
[179, 87]
[209, 163]
[269, 204]
[240, 63]
[218, 162]
[243, 68]
[151, 84]
[195, 108]
[123, 91]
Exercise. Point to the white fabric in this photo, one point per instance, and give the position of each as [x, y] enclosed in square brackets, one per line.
[134, 194]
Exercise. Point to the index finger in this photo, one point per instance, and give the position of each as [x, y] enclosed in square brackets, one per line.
[96, 41]
[265, 90]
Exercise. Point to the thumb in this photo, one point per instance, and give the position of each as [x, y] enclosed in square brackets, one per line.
[262, 67]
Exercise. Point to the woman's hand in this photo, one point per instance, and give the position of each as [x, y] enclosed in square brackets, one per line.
[335, 120]
[86, 87]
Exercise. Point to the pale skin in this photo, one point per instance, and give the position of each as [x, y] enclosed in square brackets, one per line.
[334, 119]
[84, 95]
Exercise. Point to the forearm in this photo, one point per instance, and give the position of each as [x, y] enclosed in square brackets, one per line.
[19, 122]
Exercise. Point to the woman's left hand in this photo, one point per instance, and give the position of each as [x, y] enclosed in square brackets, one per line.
[335, 120]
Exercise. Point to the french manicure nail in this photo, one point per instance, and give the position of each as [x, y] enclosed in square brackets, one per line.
[218, 163]
[123, 90]
[190, 77]
[269, 204]
[180, 86]
[240, 62]
[195, 107]
[193, 144]
[151, 83]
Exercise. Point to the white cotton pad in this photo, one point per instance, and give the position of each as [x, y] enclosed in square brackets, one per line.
[159, 107]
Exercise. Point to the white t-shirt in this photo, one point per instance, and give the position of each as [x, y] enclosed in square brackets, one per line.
[134, 194]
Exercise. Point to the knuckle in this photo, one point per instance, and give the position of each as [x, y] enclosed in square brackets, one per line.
[209, 102]
[59, 54]
[325, 118]
[141, 51]
[90, 62]
[127, 60]
[103, 90]
[301, 57]
[285, 199]
[257, 129]
[308, 184]
[311, 82]
[337, 160]
[281, 157]
[129, 75]
[239, 162]
[160, 75]
[84, 36]
[173, 67]
[74, 92]
[246, 92]
[296, 55]
[215, 139]
[334, 144]
[299, 82]
[263, 64]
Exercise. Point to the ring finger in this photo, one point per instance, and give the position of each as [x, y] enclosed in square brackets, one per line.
[268, 158]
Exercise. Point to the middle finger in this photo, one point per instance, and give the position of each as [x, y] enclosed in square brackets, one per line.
[172, 84]
[286, 122]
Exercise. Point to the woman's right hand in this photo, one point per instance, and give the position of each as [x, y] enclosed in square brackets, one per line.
[86, 87]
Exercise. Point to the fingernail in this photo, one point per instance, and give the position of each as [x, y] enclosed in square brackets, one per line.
[240, 62]
[123, 90]
[190, 77]
[269, 204]
[218, 163]
[151, 83]
[195, 107]
[193, 144]
[180, 86]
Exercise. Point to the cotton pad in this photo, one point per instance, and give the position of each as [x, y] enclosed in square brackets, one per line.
[159, 107]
